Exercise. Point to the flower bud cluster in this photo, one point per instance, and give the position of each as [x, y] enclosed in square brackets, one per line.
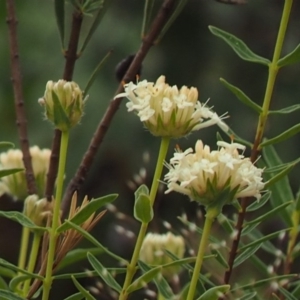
[63, 101]
[153, 250]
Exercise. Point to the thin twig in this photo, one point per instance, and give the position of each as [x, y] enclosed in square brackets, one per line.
[71, 57]
[148, 41]
[16, 79]
[242, 214]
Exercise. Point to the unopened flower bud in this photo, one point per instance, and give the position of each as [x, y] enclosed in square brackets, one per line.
[37, 210]
[153, 251]
[63, 101]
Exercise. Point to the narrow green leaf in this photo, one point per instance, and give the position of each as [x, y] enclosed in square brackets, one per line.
[220, 259]
[215, 292]
[98, 18]
[241, 96]
[263, 239]
[77, 296]
[225, 223]
[286, 110]
[287, 295]
[148, 9]
[280, 175]
[281, 137]
[258, 283]
[248, 228]
[14, 283]
[268, 214]
[8, 295]
[238, 46]
[5, 272]
[245, 255]
[3, 284]
[248, 296]
[88, 210]
[22, 219]
[103, 273]
[77, 255]
[82, 290]
[7, 145]
[95, 73]
[142, 280]
[281, 191]
[59, 8]
[143, 210]
[7, 172]
[259, 203]
[94, 241]
[171, 19]
[162, 285]
[89, 273]
[291, 58]
[7, 264]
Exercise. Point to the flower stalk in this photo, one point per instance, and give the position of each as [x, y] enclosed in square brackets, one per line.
[210, 216]
[56, 214]
[131, 268]
[32, 261]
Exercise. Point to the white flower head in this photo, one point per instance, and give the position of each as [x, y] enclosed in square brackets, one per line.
[206, 175]
[153, 250]
[168, 111]
[15, 184]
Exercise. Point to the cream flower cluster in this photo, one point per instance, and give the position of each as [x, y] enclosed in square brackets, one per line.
[15, 184]
[205, 174]
[153, 250]
[167, 111]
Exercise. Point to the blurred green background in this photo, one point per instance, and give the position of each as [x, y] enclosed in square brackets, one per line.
[188, 55]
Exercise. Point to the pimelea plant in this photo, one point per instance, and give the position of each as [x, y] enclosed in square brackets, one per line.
[235, 187]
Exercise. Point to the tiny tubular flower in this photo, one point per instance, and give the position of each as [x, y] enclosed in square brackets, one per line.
[37, 209]
[203, 175]
[168, 111]
[153, 251]
[15, 184]
[63, 101]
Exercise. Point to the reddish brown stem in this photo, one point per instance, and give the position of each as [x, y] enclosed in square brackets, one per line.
[242, 214]
[71, 57]
[148, 41]
[18, 95]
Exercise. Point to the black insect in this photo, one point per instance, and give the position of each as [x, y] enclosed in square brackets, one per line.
[123, 66]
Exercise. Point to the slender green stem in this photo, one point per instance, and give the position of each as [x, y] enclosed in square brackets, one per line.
[131, 268]
[211, 214]
[23, 249]
[56, 214]
[273, 70]
[32, 260]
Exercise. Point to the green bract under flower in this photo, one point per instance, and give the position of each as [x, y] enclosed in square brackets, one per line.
[167, 111]
[15, 184]
[63, 101]
[206, 176]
